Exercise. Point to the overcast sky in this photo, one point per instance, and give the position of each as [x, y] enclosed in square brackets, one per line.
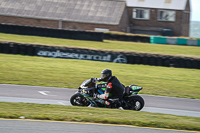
[195, 5]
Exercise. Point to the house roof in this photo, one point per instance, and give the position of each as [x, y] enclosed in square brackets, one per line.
[161, 4]
[87, 11]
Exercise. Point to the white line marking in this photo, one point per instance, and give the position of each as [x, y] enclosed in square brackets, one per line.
[46, 93]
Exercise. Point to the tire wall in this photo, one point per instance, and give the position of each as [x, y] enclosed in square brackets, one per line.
[92, 36]
[109, 36]
[68, 34]
[105, 56]
[49, 32]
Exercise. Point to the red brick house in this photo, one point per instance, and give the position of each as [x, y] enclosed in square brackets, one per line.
[154, 16]
[134, 16]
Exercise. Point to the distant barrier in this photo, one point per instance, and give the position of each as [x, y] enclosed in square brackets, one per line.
[110, 36]
[49, 32]
[68, 34]
[93, 36]
[96, 55]
[175, 41]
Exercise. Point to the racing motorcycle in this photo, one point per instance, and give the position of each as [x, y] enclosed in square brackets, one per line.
[85, 96]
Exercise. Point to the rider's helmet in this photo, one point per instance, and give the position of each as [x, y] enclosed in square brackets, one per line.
[106, 74]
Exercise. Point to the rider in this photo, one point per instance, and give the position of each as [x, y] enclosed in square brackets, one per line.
[113, 86]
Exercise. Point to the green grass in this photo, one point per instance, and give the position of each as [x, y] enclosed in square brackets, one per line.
[97, 115]
[70, 73]
[111, 45]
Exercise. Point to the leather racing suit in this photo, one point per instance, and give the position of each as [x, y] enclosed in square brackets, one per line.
[115, 88]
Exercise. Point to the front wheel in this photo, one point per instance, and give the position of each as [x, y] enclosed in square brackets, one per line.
[135, 102]
[79, 100]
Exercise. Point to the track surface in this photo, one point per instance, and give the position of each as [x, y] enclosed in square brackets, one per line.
[24, 126]
[52, 95]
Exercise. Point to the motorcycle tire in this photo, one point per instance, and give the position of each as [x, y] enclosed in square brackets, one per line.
[135, 102]
[79, 100]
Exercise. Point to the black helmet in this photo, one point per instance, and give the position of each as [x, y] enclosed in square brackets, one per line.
[105, 74]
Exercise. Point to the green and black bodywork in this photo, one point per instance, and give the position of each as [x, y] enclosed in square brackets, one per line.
[89, 88]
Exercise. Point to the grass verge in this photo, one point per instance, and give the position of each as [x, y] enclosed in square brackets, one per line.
[111, 45]
[70, 73]
[97, 115]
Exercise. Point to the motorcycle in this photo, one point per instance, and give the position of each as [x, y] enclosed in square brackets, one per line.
[87, 91]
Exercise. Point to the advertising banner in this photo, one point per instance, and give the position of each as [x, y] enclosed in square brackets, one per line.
[99, 55]
[81, 55]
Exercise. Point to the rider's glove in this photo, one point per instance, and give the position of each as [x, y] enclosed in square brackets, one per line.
[99, 79]
[96, 79]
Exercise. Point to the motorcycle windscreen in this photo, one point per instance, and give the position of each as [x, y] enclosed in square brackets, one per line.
[87, 83]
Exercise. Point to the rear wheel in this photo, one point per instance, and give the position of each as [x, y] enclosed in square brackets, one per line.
[135, 102]
[79, 100]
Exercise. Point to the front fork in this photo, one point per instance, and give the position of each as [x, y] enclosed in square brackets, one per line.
[88, 98]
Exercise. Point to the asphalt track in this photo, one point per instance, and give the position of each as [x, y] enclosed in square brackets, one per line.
[52, 95]
[31, 126]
